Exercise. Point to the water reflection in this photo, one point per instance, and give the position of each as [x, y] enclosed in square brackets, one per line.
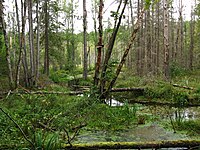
[113, 102]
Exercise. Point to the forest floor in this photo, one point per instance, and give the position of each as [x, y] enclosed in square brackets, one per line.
[50, 119]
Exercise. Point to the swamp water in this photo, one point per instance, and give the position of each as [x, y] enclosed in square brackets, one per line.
[150, 130]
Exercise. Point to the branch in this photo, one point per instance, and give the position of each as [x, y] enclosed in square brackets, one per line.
[24, 135]
[184, 87]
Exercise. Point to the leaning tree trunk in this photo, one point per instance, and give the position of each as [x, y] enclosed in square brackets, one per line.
[131, 41]
[109, 51]
[10, 73]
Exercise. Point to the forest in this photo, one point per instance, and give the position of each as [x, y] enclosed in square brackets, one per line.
[97, 74]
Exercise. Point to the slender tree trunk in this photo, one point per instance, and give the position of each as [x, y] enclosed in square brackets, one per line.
[38, 43]
[148, 32]
[126, 51]
[23, 42]
[20, 47]
[182, 34]
[110, 48]
[138, 50]
[94, 12]
[100, 44]
[172, 36]
[73, 38]
[10, 73]
[46, 56]
[158, 39]
[85, 60]
[192, 26]
[31, 44]
[142, 45]
[166, 41]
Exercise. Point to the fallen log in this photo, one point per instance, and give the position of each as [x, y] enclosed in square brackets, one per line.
[43, 92]
[67, 93]
[172, 104]
[137, 145]
[127, 89]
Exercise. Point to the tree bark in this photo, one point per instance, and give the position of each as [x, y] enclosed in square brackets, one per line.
[191, 51]
[85, 59]
[20, 47]
[38, 43]
[109, 50]
[31, 44]
[100, 44]
[23, 42]
[46, 55]
[126, 51]
[2, 22]
[166, 41]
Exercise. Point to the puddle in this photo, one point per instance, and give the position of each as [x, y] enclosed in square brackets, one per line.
[148, 132]
[164, 112]
[113, 102]
[143, 133]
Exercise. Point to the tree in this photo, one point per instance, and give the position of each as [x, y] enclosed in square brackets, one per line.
[46, 55]
[99, 45]
[110, 47]
[166, 40]
[38, 42]
[3, 27]
[31, 45]
[85, 59]
[191, 51]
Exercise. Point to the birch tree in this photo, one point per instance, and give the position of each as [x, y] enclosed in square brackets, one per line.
[166, 40]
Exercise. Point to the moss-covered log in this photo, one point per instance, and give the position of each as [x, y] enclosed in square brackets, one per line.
[138, 145]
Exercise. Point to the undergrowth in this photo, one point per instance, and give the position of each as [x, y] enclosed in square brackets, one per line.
[50, 120]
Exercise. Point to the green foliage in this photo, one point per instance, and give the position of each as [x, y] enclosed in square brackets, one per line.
[161, 91]
[48, 142]
[60, 76]
[110, 73]
[147, 4]
[192, 127]
[177, 70]
[113, 118]
[3, 63]
[168, 93]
